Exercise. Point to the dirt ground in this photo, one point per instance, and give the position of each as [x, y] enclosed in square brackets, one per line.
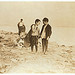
[14, 59]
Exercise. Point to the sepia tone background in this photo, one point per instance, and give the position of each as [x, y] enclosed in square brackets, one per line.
[60, 57]
[60, 14]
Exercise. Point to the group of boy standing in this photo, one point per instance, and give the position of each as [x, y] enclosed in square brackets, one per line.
[45, 33]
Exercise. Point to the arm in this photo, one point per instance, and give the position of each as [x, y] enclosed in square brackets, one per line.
[18, 25]
[32, 27]
[42, 29]
[49, 31]
[24, 28]
[18, 29]
[38, 33]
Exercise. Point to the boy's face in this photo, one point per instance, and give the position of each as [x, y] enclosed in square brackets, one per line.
[45, 22]
[21, 20]
[38, 23]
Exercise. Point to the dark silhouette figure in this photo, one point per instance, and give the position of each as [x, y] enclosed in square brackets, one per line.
[45, 34]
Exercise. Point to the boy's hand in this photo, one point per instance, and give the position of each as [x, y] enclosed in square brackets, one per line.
[39, 36]
[47, 38]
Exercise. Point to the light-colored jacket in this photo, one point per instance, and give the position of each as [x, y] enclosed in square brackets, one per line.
[35, 30]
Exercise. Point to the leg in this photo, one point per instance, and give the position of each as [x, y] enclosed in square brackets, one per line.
[36, 48]
[32, 48]
[36, 43]
[32, 43]
[42, 45]
[46, 45]
[19, 32]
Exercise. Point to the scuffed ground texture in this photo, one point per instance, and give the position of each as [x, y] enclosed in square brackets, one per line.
[14, 59]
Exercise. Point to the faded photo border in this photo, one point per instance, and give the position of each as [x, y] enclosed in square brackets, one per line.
[41, 1]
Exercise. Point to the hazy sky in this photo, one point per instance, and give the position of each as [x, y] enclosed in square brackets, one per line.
[59, 13]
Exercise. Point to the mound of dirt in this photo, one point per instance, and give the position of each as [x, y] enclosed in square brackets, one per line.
[58, 59]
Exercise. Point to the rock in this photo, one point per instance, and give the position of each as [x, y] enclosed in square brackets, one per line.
[0, 37]
[73, 58]
[1, 45]
[73, 63]
[3, 69]
[62, 45]
[69, 51]
[14, 60]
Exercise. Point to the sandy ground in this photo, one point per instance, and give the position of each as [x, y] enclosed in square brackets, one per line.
[13, 59]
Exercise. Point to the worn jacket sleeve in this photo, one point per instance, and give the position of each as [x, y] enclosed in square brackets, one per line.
[48, 31]
[24, 28]
[42, 29]
[18, 25]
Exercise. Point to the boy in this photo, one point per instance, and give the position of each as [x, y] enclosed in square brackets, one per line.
[34, 35]
[45, 34]
[21, 27]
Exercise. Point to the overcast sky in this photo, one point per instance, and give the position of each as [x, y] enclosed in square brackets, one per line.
[59, 13]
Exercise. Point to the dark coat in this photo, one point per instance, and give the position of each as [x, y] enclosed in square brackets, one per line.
[47, 30]
[21, 29]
